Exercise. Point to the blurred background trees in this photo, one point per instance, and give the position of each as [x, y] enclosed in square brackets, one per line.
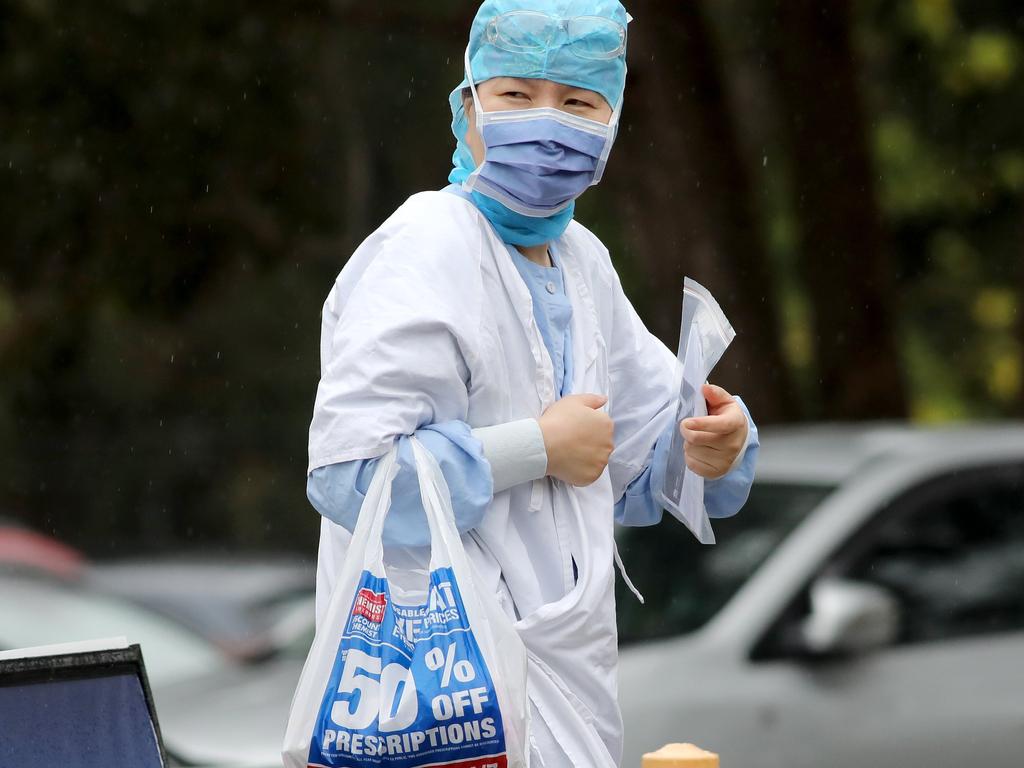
[183, 181]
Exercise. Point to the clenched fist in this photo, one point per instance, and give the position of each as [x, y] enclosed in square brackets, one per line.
[714, 441]
[578, 438]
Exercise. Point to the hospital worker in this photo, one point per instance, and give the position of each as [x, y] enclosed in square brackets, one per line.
[486, 321]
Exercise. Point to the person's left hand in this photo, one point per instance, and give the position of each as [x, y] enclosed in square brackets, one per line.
[713, 442]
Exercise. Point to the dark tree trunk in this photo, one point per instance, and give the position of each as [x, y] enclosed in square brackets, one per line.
[843, 252]
[1018, 407]
[685, 191]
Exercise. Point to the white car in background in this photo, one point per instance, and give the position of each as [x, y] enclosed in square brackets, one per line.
[866, 608]
[37, 609]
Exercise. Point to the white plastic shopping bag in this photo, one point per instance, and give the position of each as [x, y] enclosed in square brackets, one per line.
[408, 677]
[704, 335]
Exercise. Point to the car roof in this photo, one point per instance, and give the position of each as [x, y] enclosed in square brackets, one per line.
[829, 453]
[23, 547]
[240, 579]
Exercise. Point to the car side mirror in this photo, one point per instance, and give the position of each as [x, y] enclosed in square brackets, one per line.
[849, 617]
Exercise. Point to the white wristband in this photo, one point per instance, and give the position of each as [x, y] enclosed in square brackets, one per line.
[515, 450]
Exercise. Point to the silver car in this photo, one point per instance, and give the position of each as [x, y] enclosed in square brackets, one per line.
[240, 603]
[866, 608]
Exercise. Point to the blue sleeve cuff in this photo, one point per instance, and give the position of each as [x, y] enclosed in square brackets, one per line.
[637, 507]
[723, 497]
[337, 491]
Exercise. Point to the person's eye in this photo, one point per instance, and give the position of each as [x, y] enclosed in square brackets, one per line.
[514, 94]
[579, 103]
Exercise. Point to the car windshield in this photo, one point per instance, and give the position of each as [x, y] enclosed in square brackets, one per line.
[684, 582]
[36, 611]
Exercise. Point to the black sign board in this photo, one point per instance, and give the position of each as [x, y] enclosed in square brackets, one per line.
[78, 710]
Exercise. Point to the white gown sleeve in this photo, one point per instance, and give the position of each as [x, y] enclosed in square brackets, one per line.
[398, 339]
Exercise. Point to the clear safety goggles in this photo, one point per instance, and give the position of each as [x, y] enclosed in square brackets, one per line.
[589, 37]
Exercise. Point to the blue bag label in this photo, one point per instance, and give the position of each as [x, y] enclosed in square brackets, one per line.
[409, 687]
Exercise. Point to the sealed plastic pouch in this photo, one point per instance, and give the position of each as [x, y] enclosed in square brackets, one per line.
[704, 335]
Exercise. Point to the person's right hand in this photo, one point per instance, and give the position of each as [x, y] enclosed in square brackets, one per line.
[578, 437]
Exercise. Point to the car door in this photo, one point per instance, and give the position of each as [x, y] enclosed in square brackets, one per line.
[950, 690]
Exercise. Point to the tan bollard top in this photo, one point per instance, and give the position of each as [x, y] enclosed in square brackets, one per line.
[680, 756]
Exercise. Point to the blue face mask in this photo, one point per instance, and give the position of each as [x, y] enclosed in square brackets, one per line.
[513, 228]
[538, 161]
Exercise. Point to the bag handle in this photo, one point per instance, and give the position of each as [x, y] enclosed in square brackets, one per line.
[368, 533]
[368, 536]
[445, 541]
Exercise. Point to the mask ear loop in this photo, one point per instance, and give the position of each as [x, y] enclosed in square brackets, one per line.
[472, 87]
[613, 132]
[469, 184]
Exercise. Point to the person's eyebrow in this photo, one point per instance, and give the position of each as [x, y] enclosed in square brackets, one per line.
[583, 95]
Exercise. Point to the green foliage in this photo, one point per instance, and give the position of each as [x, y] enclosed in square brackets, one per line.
[945, 82]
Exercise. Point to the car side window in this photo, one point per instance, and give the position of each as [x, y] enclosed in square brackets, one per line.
[952, 554]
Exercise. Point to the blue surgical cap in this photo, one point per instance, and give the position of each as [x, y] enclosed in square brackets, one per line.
[557, 63]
